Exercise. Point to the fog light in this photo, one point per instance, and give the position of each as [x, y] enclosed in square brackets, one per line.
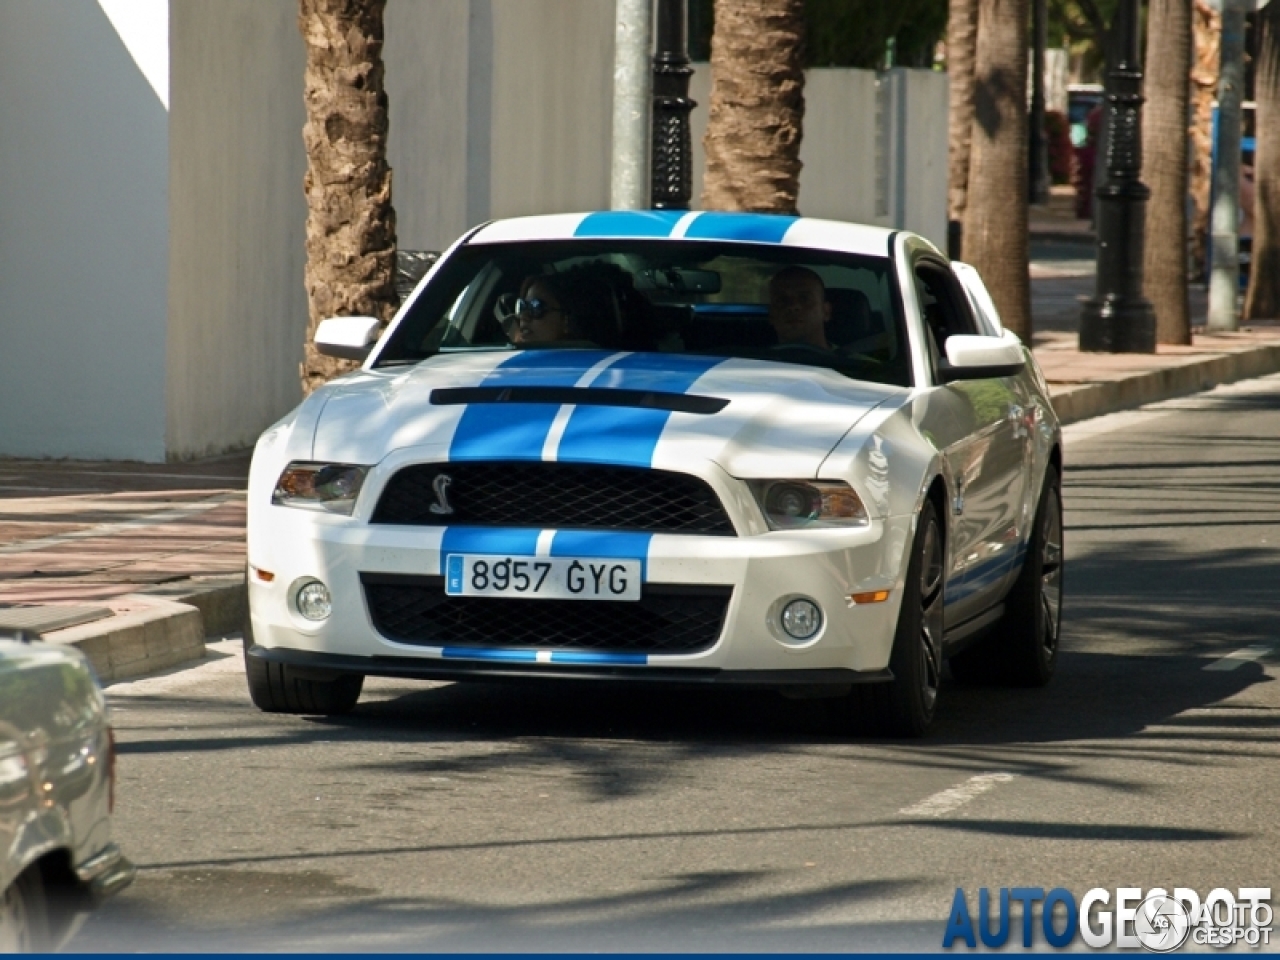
[313, 601]
[801, 619]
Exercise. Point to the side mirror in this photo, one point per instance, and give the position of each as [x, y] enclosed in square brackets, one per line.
[348, 338]
[982, 358]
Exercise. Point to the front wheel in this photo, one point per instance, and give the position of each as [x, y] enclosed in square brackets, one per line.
[905, 707]
[279, 688]
[1022, 649]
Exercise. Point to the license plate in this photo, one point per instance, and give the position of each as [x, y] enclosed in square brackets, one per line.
[554, 578]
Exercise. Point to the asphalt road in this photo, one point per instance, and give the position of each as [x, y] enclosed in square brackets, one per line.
[445, 817]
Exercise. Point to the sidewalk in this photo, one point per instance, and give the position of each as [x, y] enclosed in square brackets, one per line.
[136, 564]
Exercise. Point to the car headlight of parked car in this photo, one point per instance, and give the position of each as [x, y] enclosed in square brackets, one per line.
[809, 504]
[320, 486]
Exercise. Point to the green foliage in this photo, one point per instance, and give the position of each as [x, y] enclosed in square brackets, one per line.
[850, 33]
[1081, 27]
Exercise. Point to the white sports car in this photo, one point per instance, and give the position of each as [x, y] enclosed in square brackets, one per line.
[666, 446]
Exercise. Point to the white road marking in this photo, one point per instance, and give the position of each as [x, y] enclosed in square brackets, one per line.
[1239, 658]
[955, 797]
[172, 515]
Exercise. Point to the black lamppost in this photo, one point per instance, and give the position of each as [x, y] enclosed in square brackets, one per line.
[672, 166]
[1037, 145]
[1118, 318]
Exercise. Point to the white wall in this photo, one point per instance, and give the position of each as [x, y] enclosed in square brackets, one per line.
[499, 108]
[552, 106]
[426, 57]
[83, 237]
[237, 304]
[843, 148]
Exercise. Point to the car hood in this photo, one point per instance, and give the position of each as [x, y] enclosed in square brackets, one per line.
[752, 417]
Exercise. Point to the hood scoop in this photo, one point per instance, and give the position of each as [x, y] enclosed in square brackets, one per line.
[580, 396]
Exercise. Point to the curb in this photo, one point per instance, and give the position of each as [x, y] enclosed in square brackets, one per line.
[1075, 402]
[222, 601]
[166, 629]
[158, 634]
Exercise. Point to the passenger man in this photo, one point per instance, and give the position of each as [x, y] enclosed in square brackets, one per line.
[798, 307]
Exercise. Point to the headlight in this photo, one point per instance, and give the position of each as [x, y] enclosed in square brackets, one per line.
[809, 504]
[320, 486]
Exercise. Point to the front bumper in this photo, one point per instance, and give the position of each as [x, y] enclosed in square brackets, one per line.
[105, 874]
[763, 571]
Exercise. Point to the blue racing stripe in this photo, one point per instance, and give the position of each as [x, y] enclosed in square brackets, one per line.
[605, 544]
[572, 656]
[517, 431]
[503, 541]
[983, 575]
[628, 436]
[480, 653]
[751, 227]
[629, 223]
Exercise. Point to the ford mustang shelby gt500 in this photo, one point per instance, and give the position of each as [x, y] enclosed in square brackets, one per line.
[687, 447]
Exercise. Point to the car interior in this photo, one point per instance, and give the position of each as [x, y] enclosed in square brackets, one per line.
[668, 298]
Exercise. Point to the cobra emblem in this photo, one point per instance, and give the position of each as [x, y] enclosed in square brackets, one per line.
[441, 487]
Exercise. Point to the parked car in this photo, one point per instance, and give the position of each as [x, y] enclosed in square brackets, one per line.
[678, 447]
[57, 780]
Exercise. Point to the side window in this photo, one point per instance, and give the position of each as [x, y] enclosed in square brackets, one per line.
[943, 305]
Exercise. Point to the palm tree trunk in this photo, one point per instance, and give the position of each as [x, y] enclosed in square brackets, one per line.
[1164, 148]
[754, 123]
[1206, 32]
[962, 35]
[351, 227]
[995, 223]
[1263, 298]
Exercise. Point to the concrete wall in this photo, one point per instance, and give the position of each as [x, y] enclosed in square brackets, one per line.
[499, 108]
[426, 56]
[552, 106]
[237, 305]
[874, 148]
[83, 236]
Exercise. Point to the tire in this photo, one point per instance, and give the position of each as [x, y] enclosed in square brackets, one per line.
[24, 915]
[1023, 648]
[278, 688]
[906, 706]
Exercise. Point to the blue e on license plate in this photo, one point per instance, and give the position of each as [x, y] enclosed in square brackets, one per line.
[552, 578]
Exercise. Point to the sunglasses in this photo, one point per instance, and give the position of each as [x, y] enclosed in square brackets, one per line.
[511, 307]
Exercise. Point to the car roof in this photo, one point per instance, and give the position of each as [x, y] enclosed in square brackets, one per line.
[693, 225]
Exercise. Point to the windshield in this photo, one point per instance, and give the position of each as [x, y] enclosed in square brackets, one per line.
[785, 304]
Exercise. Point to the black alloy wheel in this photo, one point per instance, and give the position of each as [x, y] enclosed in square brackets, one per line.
[1022, 648]
[905, 707]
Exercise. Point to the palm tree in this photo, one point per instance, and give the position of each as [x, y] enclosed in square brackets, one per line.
[754, 122]
[351, 227]
[962, 35]
[995, 222]
[1206, 32]
[1263, 298]
[1164, 146]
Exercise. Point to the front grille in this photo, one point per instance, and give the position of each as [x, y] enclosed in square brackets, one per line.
[552, 496]
[668, 618]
